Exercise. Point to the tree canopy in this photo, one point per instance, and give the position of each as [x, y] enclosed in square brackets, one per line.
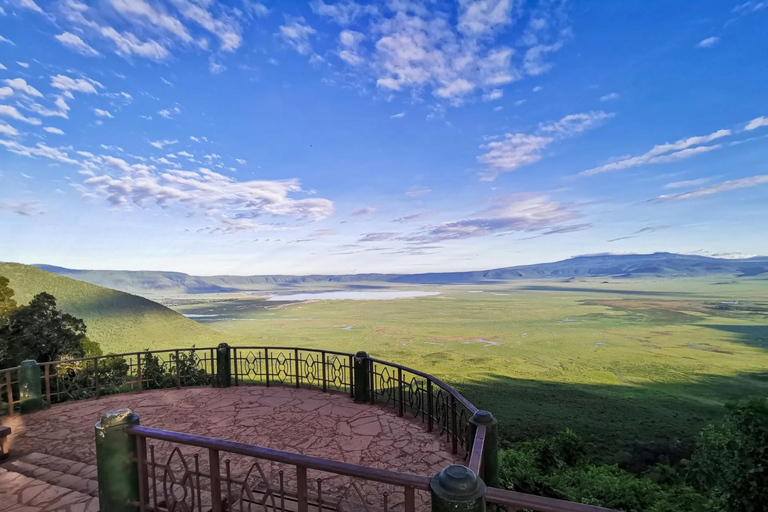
[38, 331]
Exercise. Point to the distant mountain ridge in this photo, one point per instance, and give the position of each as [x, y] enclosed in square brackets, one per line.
[660, 264]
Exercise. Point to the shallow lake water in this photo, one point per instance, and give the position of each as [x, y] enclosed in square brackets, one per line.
[346, 295]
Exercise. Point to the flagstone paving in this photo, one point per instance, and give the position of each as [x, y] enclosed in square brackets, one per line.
[307, 421]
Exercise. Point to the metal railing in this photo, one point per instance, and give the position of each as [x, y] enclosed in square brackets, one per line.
[202, 473]
[281, 481]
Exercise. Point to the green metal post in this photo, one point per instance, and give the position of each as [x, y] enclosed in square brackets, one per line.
[362, 377]
[490, 473]
[116, 456]
[30, 389]
[457, 489]
[223, 366]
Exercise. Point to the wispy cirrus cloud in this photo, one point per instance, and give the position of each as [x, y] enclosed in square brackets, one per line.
[515, 150]
[639, 232]
[718, 188]
[664, 153]
[297, 33]
[686, 184]
[21, 85]
[22, 207]
[525, 212]
[13, 113]
[74, 42]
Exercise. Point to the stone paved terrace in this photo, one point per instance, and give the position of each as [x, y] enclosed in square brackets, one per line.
[307, 421]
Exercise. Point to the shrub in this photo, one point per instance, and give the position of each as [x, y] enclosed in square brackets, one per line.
[732, 460]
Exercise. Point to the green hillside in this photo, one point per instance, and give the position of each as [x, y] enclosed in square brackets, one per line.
[118, 321]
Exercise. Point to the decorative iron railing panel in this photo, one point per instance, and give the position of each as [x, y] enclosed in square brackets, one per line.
[186, 473]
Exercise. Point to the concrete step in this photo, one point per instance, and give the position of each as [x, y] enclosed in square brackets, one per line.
[40, 469]
[21, 493]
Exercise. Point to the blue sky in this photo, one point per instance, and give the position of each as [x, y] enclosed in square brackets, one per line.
[404, 136]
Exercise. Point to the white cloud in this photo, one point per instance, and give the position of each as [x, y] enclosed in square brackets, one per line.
[610, 97]
[184, 153]
[5, 92]
[478, 17]
[573, 124]
[528, 212]
[538, 88]
[398, 115]
[22, 207]
[61, 108]
[25, 65]
[297, 33]
[128, 44]
[102, 113]
[726, 186]
[219, 197]
[533, 62]
[708, 42]
[8, 130]
[169, 113]
[238, 160]
[21, 85]
[6, 40]
[349, 42]
[74, 42]
[686, 184]
[226, 28]
[9, 111]
[66, 83]
[39, 150]
[664, 153]
[344, 12]
[160, 144]
[516, 150]
[493, 95]
[756, 123]
[142, 9]
[30, 4]
[51, 129]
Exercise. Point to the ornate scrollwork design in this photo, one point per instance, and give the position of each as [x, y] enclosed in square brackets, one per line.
[178, 491]
[263, 496]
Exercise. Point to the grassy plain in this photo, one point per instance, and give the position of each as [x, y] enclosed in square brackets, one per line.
[615, 360]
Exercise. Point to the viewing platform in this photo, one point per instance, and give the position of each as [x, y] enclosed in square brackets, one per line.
[256, 428]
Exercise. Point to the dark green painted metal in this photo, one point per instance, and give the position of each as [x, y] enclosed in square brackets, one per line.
[223, 366]
[116, 456]
[490, 472]
[30, 389]
[457, 489]
[362, 377]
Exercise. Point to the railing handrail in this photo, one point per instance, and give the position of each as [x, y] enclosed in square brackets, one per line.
[458, 396]
[308, 461]
[538, 503]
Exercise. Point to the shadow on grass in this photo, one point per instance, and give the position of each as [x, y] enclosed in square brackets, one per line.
[609, 417]
[750, 335]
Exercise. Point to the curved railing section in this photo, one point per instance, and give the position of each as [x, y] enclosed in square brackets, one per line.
[410, 392]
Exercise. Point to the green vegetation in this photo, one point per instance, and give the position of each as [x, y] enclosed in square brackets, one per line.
[728, 471]
[116, 321]
[41, 332]
[619, 361]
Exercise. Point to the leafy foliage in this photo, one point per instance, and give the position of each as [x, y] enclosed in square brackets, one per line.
[733, 459]
[7, 303]
[41, 332]
[78, 379]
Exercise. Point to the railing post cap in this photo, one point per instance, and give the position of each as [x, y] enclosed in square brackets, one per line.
[223, 346]
[457, 483]
[28, 362]
[361, 354]
[483, 418]
[118, 417]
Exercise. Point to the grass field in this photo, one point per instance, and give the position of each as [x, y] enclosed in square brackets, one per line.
[614, 360]
[119, 322]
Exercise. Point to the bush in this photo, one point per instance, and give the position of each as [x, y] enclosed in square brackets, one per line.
[732, 460]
